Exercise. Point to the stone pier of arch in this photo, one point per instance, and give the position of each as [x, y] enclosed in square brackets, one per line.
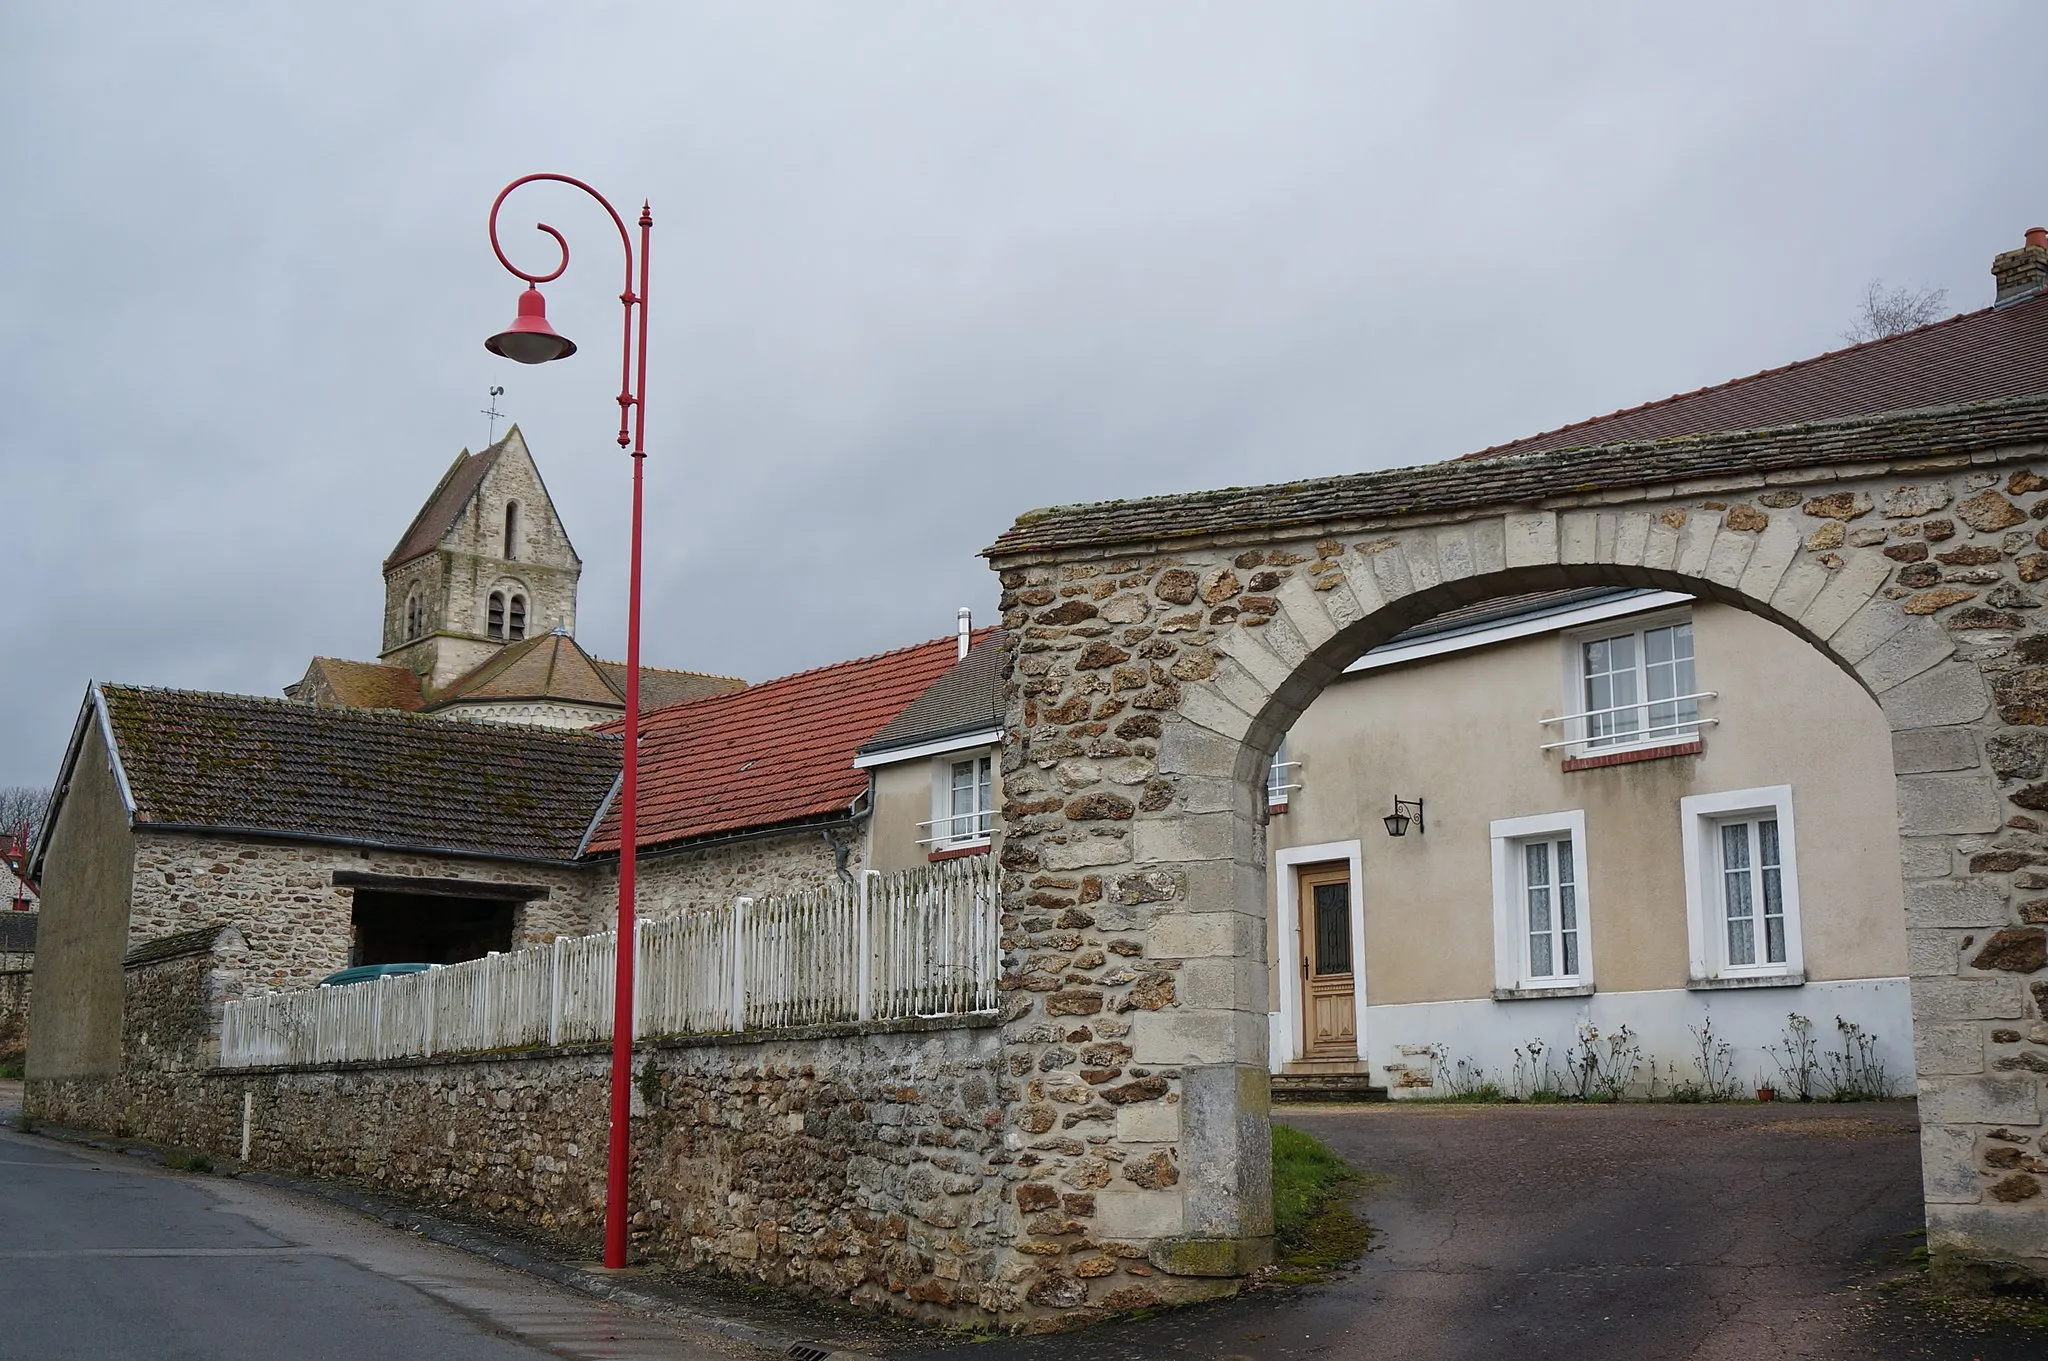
[1160, 649]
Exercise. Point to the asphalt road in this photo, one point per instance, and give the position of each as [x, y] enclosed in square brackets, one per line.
[1632, 1233]
[1647, 1232]
[110, 1257]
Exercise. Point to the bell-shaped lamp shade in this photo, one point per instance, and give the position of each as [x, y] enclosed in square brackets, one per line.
[529, 339]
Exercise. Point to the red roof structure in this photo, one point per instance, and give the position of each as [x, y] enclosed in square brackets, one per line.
[775, 754]
[1998, 352]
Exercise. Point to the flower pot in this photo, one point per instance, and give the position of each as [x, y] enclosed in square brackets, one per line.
[1767, 1093]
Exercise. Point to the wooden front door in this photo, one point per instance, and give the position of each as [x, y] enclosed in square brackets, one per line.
[1328, 1007]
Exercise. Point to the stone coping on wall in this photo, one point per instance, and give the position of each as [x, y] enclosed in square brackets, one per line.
[838, 1030]
[1454, 490]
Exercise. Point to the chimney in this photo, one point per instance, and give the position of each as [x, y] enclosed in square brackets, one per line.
[2022, 273]
[966, 618]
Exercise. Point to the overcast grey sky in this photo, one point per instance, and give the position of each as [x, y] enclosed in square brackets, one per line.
[917, 267]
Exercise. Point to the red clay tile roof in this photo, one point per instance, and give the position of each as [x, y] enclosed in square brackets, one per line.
[444, 507]
[1979, 356]
[775, 753]
[318, 773]
[364, 685]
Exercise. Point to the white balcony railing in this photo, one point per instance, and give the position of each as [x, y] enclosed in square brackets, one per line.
[1676, 717]
[962, 829]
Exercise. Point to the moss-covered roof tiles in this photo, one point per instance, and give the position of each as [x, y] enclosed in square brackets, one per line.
[259, 765]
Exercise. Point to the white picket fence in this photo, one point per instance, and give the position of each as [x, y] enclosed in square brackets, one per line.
[920, 943]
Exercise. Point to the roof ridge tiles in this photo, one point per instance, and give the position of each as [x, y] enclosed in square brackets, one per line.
[350, 713]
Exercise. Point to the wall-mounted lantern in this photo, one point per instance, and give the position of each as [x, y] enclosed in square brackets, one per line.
[1397, 821]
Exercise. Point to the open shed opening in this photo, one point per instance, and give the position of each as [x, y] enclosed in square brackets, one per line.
[399, 919]
[427, 928]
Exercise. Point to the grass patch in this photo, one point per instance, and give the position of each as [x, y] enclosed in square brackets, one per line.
[179, 1161]
[11, 1072]
[1313, 1226]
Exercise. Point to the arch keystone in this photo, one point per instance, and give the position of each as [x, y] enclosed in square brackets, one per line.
[1578, 537]
[1529, 538]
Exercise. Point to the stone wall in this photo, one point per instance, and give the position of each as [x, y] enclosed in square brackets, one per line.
[283, 897]
[15, 988]
[1151, 684]
[692, 880]
[856, 1163]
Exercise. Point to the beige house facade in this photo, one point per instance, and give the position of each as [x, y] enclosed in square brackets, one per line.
[1578, 857]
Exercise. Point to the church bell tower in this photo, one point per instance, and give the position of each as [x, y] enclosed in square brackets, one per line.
[485, 563]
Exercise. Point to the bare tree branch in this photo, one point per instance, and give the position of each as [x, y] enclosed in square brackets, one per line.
[1888, 311]
[23, 803]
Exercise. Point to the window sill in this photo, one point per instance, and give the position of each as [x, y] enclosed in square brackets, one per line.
[1634, 754]
[957, 852]
[1538, 994]
[1767, 980]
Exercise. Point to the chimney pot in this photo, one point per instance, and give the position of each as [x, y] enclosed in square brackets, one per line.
[966, 621]
[2023, 273]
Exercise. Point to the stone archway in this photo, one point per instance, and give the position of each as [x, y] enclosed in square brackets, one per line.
[1161, 648]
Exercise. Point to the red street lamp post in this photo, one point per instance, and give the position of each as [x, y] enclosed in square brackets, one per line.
[530, 340]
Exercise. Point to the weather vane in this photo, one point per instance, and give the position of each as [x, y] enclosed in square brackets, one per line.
[491, 437]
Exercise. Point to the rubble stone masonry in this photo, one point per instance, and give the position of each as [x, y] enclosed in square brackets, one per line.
[851, 1162]
[698, 879]
[1151, 680]
[15, 990]
[283, 898]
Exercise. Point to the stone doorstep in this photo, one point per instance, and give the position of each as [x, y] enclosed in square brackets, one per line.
[635, 1287]
[1293, 1087]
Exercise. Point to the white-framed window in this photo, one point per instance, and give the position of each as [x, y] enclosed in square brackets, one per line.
[1631, 683]
[963, 800]
[1742, 885]
[1282, 778]
[1542, 927]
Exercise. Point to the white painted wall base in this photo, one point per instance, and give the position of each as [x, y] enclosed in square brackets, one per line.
[1488, 1032]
